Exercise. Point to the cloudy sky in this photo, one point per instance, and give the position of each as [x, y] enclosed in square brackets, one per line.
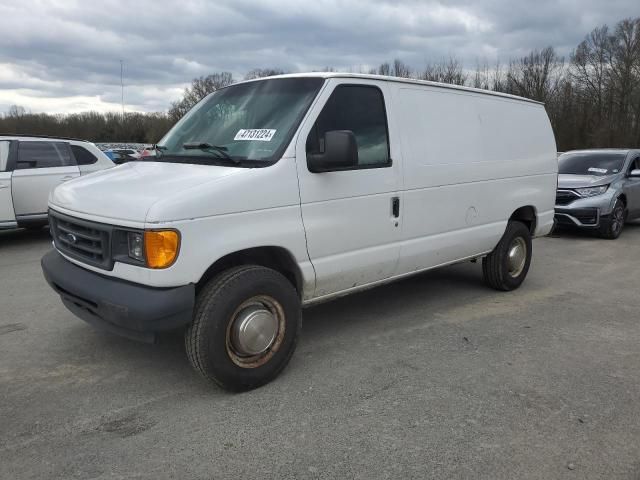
[64, 55]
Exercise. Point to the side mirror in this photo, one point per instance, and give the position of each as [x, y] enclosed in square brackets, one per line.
[340, 152]
[635, 172]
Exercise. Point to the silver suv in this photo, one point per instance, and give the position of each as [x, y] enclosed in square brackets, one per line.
[598, 190]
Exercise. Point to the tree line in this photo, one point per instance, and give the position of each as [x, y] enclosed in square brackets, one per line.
[592, 97]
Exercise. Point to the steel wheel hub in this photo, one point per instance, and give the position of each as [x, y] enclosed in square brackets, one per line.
[517, 256]
[254, 330]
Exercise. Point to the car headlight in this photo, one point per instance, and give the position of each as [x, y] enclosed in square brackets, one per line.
[592, 191]
[135, 240]
[146, 248]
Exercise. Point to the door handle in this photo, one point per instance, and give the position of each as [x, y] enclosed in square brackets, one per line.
[67, 178]
[3, 185]
[395, 206]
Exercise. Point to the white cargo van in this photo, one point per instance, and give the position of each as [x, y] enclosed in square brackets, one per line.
[277, 193]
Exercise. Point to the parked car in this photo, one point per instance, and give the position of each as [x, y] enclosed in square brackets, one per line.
[147, 152]
[120, 156]
[598, 190]
[316, 186]
[32, 166]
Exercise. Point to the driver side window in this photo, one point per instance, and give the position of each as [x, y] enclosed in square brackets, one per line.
[360, 109]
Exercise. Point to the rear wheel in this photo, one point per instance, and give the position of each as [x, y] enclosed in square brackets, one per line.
[507, 266]
[612, 229]
[245, 327]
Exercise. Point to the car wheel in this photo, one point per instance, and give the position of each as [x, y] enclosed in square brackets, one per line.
[612, 229]
[245, 327]
[507, 266]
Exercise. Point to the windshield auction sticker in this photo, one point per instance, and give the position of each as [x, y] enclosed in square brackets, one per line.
[257, 134]
[597, 170]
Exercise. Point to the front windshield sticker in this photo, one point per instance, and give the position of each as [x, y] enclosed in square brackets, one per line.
[257, 134]
[597, 170]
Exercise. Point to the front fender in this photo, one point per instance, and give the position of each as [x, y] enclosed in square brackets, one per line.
[206, 240]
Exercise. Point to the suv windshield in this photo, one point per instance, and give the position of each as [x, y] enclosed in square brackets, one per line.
[249, 124]
[590, 163]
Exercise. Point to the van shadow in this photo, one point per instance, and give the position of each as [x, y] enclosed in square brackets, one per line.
[398, 303]
[385, 306]
[23, 237]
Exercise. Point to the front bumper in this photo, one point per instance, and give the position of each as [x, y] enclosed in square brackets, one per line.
[578, 217]
[589, 212]
[124, 308]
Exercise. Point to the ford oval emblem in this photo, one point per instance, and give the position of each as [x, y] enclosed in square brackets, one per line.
[72, 238]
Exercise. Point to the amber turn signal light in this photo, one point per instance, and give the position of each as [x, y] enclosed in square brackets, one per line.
[161, 247]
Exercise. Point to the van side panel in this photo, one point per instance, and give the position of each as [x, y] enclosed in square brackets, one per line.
[469, 161]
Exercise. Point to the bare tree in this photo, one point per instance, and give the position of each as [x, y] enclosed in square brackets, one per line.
[401, 69]
[445, 71]
[384, 69]
[16, 111]
[536, 76]
[482, 76]
[625, 56]
[498, 78]
[200, 88]
[263, 72]
[591, 61]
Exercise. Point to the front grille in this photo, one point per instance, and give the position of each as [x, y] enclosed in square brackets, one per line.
[83, 240]
[586, 216]
[565, 197]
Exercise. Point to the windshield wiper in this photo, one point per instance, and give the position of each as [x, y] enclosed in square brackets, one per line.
[207, 147]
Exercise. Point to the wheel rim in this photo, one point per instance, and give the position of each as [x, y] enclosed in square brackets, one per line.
[255, 331]
[617, 220]
[517, 256]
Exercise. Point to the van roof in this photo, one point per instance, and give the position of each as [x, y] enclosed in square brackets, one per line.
[397, 80]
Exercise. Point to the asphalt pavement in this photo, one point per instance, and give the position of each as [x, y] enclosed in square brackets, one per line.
[436, 376]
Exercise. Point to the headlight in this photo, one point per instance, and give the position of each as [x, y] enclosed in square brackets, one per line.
[149, 248]
[161, 247]
[592, 191]
[135, 241]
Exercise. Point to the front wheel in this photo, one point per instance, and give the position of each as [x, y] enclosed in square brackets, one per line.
[613, 228]
[245, 327]
[507, 266]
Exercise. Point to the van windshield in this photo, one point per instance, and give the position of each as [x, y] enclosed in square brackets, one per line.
[591, 163]
[245, 125]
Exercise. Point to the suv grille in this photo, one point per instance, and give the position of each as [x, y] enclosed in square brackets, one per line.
[565, 197]
[89, 242]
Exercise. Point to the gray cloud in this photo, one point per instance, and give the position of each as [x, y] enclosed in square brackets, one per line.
[64, 56]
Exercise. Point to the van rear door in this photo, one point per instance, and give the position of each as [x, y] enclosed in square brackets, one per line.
[7, 217]
[351, 216]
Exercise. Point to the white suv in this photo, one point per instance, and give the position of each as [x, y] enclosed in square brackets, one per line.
[32, 166]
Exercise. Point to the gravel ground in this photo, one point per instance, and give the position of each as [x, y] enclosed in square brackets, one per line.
[435, 376]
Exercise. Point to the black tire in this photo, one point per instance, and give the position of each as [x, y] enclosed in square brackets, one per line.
[613, 228]
[497, 268]
[208, 340]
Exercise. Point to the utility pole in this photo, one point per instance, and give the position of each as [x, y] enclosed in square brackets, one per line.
[122, 86]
